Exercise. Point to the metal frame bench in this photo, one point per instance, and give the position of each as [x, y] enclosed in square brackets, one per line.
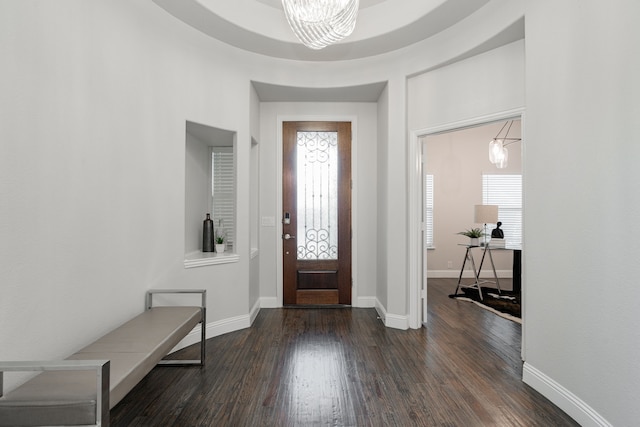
[81, 389]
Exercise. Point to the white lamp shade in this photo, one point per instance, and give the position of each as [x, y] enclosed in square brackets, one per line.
[486, 214]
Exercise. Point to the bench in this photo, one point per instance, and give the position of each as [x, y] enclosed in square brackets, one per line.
[81, 389]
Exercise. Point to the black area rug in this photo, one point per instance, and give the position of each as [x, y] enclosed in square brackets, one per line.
[507, 302]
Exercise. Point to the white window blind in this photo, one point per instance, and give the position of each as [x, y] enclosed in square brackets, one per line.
[506, 192]
[428, 209]
[223, 193]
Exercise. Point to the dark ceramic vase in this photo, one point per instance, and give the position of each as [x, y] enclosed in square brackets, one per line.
[207, 234]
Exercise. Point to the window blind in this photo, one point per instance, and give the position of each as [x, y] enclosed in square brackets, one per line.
[506, 192]
[223, 192]
[428, 206]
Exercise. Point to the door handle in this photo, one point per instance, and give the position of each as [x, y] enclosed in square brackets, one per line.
[288, 236]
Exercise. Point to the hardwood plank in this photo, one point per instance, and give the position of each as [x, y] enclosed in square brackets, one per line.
[342, 367]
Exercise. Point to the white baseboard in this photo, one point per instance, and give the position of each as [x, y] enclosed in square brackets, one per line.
[391, 320]
[269, 302]
[468, 274]
[366, 302]
[214, 329]
[396, 321]
[382, 313]
[563, 398]
[254, 311]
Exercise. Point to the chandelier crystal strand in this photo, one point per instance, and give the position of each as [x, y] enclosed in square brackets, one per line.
[319, 23]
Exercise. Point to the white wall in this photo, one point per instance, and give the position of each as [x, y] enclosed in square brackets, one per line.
[92, 177]
[92, 170]
[489, 83]
[254, 196]
[382, 286]
[394, 68]
[582, 187]
[433, 109]
[254, 211]
[395, 226]
[95, 97]
[197, 190]
[364, 193]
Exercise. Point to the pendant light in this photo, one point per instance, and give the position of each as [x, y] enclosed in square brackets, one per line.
[498, 153]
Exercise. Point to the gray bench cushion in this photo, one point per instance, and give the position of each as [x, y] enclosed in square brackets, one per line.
[69, 397]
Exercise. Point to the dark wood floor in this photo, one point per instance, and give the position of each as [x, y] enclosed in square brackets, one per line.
[342, 367]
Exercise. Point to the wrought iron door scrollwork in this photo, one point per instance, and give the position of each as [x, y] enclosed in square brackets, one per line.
[317, 246]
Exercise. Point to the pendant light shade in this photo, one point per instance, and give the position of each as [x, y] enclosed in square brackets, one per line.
[319, 23]
[495, 150]
[503, 159]
[498, 153]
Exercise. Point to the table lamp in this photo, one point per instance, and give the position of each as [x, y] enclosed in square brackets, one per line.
[486, 214]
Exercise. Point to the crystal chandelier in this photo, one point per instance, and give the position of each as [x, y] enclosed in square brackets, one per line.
[319, 23]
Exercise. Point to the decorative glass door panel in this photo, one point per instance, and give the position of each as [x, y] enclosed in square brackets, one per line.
[317, 195]
[316, 213]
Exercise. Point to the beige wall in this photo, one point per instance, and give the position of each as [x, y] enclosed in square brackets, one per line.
[457, 161]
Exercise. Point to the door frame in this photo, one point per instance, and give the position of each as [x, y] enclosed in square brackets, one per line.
[354, 191]
[417, 269]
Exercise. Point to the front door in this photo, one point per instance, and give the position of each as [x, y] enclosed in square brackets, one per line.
[316, 206]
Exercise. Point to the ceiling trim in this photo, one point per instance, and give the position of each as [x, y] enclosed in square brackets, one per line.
[279, 93]
[383, 27]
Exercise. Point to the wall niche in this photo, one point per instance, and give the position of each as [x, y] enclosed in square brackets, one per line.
[200, 140]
